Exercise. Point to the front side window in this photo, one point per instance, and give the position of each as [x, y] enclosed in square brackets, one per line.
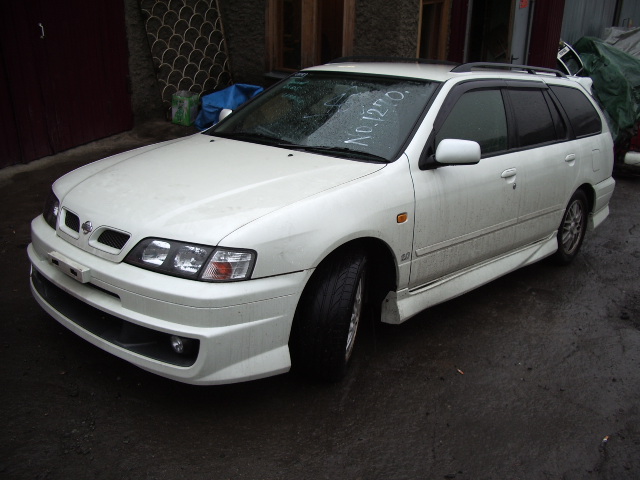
[339, 114]
[478, 115]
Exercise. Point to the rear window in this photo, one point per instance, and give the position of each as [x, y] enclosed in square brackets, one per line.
[533, 118]
[583, 116]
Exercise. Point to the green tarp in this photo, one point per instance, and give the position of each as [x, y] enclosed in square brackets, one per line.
[616, 83]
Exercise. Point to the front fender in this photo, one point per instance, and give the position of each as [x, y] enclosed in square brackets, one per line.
[301, 235]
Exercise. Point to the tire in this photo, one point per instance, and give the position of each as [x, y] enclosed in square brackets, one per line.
[572, 228]
[328, 316]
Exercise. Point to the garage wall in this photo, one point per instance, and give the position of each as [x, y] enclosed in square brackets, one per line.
[586, 18]
[32, 129]
[387, 28]
[383, 28]
[64, 77]
[150, 95]
[629, 14]
[146, 99]
[244, 28]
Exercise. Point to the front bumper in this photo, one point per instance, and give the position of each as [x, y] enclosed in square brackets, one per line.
[239, 331]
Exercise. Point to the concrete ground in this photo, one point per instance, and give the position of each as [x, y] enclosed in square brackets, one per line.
[534, 376]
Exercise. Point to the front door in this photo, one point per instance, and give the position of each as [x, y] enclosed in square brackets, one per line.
[466, 214]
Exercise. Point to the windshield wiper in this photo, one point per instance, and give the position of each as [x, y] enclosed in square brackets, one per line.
[279, 142]
[335, 150]
[250, 136]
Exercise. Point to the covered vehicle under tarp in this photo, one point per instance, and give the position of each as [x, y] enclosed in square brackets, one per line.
[616, 84]
[625, 39]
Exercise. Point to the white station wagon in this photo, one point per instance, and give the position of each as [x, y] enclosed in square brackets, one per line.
[238, 252]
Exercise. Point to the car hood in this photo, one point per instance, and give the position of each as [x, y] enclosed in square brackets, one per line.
[199, 189]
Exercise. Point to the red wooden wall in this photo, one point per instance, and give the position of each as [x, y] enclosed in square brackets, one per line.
[63, 76]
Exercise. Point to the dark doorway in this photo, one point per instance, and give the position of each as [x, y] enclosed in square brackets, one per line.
[489, 33]
[331, 29]
[434, 30]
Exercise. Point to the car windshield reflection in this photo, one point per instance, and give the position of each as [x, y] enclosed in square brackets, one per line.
[359, 116]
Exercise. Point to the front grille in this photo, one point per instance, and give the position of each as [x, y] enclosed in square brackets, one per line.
[113, 239]
[72, 221]
[141, 340]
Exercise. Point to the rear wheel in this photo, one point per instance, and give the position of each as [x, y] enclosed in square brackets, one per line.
[327, 319]
[572, 228]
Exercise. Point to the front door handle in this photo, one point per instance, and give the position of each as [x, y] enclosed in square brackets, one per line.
[508, 173]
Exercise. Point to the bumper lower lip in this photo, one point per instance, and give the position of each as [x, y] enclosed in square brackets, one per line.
[237, 341]
[141, 340]
[230, 354]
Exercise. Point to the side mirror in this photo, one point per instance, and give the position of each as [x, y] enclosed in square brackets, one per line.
[224, 113]
[452, 151]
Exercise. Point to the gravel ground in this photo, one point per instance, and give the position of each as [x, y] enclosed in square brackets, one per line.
[534, 376]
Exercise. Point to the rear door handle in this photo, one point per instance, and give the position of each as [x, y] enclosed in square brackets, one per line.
[570, 158]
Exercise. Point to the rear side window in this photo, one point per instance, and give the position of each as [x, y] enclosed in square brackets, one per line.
[583, 116]
[534, 124]
[479, 116]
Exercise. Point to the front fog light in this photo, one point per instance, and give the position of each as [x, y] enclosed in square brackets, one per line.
[182, 345]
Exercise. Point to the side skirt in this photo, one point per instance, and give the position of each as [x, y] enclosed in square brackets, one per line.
[400, 306]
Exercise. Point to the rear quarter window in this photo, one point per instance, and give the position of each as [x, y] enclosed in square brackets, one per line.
[583, 116]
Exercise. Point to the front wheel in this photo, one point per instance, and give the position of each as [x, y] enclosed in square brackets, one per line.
[327, 319]
[572, 228]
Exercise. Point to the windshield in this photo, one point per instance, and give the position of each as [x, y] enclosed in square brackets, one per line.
[358, 116]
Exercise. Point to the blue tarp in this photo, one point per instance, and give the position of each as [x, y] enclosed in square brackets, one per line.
[231, 97]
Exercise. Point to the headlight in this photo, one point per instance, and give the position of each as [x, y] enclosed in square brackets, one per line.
[198, 262]
[51, 210]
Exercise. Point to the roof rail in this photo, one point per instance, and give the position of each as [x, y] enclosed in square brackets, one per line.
[375, 58]
[469, 67]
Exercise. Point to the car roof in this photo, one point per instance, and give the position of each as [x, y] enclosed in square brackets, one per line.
[437, 72]
[440, 72]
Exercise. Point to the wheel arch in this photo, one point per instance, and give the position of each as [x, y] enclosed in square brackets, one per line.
[382, 268]
[318, 337]
[590, 194]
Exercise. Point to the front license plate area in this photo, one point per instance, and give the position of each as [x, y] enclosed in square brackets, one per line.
[67, 266]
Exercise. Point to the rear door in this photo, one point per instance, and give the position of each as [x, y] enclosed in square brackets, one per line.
[549, 163]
